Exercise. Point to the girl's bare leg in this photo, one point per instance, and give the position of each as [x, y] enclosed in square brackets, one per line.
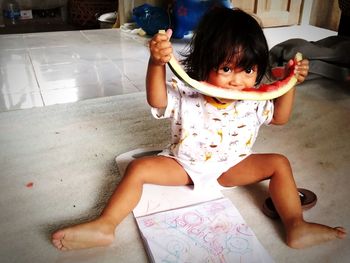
[100, 232]
[284, 194]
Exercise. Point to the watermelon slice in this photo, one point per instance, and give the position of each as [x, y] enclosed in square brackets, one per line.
[263, 92]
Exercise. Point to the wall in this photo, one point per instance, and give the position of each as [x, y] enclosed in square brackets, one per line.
[325, 14]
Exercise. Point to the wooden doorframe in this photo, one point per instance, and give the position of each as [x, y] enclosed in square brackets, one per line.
[325, 14]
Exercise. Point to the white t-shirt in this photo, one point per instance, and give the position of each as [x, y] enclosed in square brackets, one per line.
[205, 137]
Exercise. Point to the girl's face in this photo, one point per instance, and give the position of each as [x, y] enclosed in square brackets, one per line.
[228, 76]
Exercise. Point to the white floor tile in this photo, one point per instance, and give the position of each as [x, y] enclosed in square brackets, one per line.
[12, 42]
[17, 101]
[67, 66]
[73, 94]
[54, 39]
[14, 57]
[17, 78]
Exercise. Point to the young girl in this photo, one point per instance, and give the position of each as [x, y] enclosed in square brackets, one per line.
[211, 137]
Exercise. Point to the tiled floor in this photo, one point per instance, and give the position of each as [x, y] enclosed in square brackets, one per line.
[43, 69]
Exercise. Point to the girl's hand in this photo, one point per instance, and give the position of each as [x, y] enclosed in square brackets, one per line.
[161, 48]
[302, 70]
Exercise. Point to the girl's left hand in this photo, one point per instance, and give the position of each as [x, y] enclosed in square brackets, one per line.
[302, 70]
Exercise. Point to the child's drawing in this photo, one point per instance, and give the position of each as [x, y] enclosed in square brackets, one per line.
[209, 232]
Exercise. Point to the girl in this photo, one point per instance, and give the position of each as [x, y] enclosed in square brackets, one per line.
[211, 137]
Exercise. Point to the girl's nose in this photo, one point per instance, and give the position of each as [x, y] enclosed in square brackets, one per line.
[235, 80]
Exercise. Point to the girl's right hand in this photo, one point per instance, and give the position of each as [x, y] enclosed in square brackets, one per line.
[161, 48]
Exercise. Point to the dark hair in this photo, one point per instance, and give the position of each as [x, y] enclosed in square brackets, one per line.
[221, 34]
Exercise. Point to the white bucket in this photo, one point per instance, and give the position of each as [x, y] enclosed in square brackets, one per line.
[107, 20]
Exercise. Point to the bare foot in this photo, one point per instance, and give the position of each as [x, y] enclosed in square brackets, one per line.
[87, 235]
[305, 234]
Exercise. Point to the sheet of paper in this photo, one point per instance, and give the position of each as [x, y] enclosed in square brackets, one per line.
[179, 224]
[213, 231]
[156, 198]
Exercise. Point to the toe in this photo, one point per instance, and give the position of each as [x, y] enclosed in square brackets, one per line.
[57, 243]
[58, 235]
[340, 232]
[57, 238]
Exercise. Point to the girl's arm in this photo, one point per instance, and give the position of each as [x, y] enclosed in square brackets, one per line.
[160, 53]
[283, 105]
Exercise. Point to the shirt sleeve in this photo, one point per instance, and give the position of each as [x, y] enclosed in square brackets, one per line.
[265, 112]
[173, 100]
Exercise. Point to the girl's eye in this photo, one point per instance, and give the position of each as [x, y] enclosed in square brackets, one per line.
[226, 69]
[249, 71]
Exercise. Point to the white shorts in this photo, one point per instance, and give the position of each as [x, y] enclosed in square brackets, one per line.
[205, 176]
